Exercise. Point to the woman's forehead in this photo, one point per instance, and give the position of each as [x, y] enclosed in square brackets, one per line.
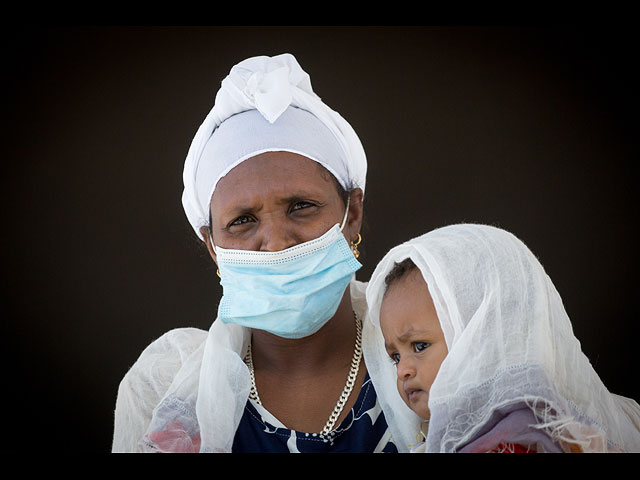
[272, 176]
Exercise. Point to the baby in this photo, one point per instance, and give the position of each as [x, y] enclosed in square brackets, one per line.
[484, 351]
[413, 337]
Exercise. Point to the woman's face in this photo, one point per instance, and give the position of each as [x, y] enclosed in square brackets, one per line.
[277, 200]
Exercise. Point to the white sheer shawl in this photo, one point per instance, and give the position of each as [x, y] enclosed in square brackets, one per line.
[511, 347]
[188, 389]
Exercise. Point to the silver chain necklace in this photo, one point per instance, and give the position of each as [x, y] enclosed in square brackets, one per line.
[351, 379]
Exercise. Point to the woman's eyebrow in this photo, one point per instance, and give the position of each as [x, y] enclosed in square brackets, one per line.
[302, 193]
[241, 209]
[252, 208]
[295, 198]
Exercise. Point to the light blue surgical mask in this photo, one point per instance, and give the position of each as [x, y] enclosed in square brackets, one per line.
[291, 293]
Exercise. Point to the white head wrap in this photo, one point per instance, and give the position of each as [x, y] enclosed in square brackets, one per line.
[510, 343]
[281, 113]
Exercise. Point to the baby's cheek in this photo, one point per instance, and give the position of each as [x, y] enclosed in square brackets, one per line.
[401, 391]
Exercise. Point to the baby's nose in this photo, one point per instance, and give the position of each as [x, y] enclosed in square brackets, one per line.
[405, 369]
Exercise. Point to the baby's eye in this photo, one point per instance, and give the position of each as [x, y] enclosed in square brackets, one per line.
[395, 358]
[420, 346]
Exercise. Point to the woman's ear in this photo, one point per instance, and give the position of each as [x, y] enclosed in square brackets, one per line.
[206, 235]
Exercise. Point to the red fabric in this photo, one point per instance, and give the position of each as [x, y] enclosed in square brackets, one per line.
[512, 448]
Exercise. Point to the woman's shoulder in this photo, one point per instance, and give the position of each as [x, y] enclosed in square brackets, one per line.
[171, 348]
[178, 340]
[148, 379]
[358, 291]
[154, 370]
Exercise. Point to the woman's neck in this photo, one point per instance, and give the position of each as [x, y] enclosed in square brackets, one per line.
[332, 345]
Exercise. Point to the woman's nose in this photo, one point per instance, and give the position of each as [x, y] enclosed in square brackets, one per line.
[275, 236]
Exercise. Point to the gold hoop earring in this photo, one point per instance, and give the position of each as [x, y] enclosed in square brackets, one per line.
[354, 246]
[218, 272]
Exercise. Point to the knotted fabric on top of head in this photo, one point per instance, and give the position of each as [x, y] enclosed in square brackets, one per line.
[267, 104]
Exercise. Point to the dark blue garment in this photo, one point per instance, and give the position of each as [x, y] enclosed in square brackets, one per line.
[364, 430]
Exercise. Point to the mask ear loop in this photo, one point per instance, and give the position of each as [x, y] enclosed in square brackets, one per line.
[213, 247]
[346, 214]
[354, 244]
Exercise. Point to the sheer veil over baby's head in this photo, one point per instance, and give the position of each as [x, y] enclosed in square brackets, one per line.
[510, 344]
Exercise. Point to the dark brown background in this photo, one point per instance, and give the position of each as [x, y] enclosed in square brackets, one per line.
[533, 129]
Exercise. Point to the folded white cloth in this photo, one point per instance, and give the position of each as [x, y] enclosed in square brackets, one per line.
[291, 118]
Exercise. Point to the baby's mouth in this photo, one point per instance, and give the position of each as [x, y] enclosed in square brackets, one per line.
[413, 393]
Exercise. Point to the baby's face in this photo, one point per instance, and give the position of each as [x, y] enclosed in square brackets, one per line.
[413, 338]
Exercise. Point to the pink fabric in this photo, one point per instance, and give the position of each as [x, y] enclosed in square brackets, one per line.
[175, 439]
[513, 426]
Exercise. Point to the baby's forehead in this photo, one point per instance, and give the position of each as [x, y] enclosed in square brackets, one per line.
[408, 300]
[405, 284]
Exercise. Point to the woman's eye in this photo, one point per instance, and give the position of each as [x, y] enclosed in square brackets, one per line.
[420, 346]
[301, 205]
[240, 220]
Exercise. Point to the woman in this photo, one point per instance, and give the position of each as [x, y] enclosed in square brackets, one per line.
[274, 185]
[474, 300]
